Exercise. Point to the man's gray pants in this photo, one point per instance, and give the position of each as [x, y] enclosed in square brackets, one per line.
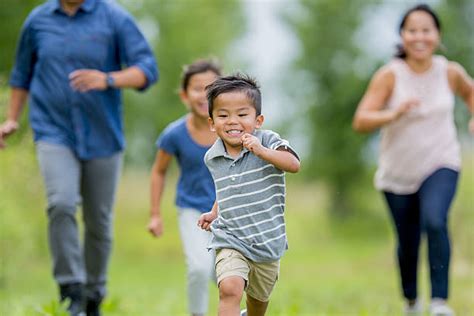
[92, 183]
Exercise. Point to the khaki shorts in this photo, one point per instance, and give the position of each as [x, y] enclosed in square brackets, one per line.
[260, 277]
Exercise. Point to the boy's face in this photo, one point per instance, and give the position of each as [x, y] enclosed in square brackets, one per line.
[233, 116]
[195, 96]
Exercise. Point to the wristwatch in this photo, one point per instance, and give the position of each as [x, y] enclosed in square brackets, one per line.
[110, 81]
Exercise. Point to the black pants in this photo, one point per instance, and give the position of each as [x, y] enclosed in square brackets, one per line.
[424, 211]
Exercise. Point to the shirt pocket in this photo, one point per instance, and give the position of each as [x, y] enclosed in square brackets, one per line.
[92, 50]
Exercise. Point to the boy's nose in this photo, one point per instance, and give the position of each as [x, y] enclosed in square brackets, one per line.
[231, 121]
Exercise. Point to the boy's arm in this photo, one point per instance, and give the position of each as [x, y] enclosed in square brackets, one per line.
[206, 219]
[281, 157]
[157, 184]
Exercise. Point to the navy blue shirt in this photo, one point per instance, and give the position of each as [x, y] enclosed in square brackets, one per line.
[195, 187]
[102, 36]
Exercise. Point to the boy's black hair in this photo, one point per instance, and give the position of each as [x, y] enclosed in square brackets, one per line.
[236, 82]
[197, 67]
[420, 7]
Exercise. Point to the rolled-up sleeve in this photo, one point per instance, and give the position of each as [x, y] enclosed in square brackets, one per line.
[24, 60]
[135, 50]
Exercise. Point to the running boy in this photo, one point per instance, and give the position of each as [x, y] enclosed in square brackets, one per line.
[188, 139]
[246, 221]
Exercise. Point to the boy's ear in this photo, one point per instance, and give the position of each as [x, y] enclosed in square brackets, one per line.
[210, 121]
[259, 121]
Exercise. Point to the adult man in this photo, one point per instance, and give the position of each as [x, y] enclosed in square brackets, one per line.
[69, 62]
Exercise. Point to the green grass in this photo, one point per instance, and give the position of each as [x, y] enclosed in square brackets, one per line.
[344, 267]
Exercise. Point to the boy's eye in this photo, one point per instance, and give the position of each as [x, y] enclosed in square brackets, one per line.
[243, 114]
[222, 115]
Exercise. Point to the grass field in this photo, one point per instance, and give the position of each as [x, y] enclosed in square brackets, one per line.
[332, 267]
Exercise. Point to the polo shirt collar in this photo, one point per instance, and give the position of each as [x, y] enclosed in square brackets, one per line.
[217, 149]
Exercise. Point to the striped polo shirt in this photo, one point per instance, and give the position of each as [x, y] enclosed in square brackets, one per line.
[250, 195]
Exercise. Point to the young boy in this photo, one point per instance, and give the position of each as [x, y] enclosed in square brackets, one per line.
[188, 139]
[246, 221]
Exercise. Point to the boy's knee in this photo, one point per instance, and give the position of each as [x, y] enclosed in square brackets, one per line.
[231, 287]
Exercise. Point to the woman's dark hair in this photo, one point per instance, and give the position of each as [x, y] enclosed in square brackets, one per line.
[420, 7]
[197, 67]
[236, 82]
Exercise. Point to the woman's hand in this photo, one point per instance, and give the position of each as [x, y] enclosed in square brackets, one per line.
[405, 107]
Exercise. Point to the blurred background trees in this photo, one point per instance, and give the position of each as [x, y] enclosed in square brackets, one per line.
[328, 65]
[180, 31]
[337, 53]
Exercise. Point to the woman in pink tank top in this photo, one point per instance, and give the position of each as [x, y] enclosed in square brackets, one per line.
[411, 99]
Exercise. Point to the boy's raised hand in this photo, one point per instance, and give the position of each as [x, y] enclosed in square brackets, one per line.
[206, 219]
[252, 143]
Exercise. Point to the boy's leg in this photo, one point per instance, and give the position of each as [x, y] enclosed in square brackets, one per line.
[262, 279]
[199, 261]
[232, 270]
[256, 307]
[231, 290]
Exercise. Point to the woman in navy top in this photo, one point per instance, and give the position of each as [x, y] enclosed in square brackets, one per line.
[188, 139]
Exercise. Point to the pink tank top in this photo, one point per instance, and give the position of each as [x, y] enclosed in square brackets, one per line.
[424, 139]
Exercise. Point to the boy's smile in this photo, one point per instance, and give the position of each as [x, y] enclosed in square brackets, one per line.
[233, 116]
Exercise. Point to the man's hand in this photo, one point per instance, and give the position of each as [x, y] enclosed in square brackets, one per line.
[471, 125]
[84, 80]
[206, 219]
[6, 129]
[155, 226]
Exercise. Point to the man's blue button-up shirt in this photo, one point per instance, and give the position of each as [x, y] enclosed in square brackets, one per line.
[102, 36]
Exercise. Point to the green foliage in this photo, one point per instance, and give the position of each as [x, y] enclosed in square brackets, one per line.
[12, 15]
[326, 33]
[186, 30]
[457, 29]
[54, 308]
